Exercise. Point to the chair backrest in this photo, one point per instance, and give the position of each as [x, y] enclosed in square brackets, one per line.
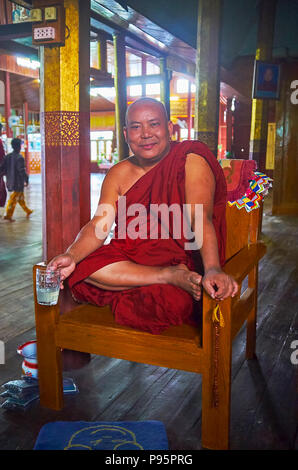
[242, 227]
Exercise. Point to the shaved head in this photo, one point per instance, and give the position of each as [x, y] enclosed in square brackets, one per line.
[148, 130]
[146, 101]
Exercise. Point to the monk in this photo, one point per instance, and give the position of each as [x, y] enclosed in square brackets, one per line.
[150, 284]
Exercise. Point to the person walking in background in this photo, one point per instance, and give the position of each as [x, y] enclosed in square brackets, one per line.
[3, 192]
[13, 166]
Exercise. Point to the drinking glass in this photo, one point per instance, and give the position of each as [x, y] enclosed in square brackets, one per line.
[47, 285]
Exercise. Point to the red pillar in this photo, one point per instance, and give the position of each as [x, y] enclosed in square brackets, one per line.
[65, 130]
[7, 104]
[26, 122]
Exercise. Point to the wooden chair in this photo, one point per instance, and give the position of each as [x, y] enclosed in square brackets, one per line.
[206, 350]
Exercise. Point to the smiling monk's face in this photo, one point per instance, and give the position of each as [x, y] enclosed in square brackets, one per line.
[148, 130]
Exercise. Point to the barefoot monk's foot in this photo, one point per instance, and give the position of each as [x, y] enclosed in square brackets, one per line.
[182, 277]
[73, 360]
[196, 282]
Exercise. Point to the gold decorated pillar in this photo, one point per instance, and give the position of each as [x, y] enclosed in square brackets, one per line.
[121, 94]
[207, 73]
[65, 128]
[259, 114]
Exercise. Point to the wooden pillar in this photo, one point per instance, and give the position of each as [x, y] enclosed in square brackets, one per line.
[189, 116]
[285, 194]
[144, 73]
[65, 129]
[165, 85]
[207, 73]
[7, 104]
[84, 110]
[121, 93]
[221, 131]
[229, 119]
[5, 12]
[102, 53]
[259, 115]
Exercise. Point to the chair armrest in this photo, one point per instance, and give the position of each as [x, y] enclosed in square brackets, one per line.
[243, 262]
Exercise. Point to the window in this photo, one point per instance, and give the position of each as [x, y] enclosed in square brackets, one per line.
[107, 93]
[101, 146]
[94, 55]
[110, 58]
[184, 134]
[151, 68]
[182, 86]
[135, 90]
[134, 65]
[153, 89]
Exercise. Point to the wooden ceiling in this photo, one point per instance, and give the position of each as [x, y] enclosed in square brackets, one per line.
[23, 89]
[26, 89]
[98, 104]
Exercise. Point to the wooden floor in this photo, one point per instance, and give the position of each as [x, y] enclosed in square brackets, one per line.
[264, 391]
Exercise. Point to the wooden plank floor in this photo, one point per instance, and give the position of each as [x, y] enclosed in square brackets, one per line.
[264, 391]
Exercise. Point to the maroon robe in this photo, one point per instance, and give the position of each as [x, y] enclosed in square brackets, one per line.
[153, 308]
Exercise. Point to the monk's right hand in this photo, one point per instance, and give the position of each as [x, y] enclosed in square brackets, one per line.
[65, 263]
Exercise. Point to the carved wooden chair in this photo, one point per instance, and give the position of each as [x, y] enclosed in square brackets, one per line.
[206, 350]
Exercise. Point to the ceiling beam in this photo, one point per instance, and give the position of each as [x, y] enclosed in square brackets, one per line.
[15, 31]
[16, 49]
[23, 3]
[144, 79]
[142, 46]
[101, 81]
[98, 23]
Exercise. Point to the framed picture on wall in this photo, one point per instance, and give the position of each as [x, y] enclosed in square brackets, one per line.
[266, 80]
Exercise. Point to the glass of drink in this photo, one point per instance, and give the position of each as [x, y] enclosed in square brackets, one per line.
[47, 285]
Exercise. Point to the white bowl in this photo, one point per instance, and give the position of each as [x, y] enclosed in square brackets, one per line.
[29, 365]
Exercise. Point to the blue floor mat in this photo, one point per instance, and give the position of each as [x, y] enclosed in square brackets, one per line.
[119, 435]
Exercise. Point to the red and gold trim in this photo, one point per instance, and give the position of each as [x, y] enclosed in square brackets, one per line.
[60, 128]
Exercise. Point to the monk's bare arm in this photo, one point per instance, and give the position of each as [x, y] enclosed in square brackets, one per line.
[199, 189]
[94, 233]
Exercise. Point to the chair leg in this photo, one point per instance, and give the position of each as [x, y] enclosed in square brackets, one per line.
[216, 383]
[251, 323]
[48, 358]
[251, 335]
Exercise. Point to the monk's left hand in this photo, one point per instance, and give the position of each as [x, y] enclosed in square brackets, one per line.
[219, 285]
